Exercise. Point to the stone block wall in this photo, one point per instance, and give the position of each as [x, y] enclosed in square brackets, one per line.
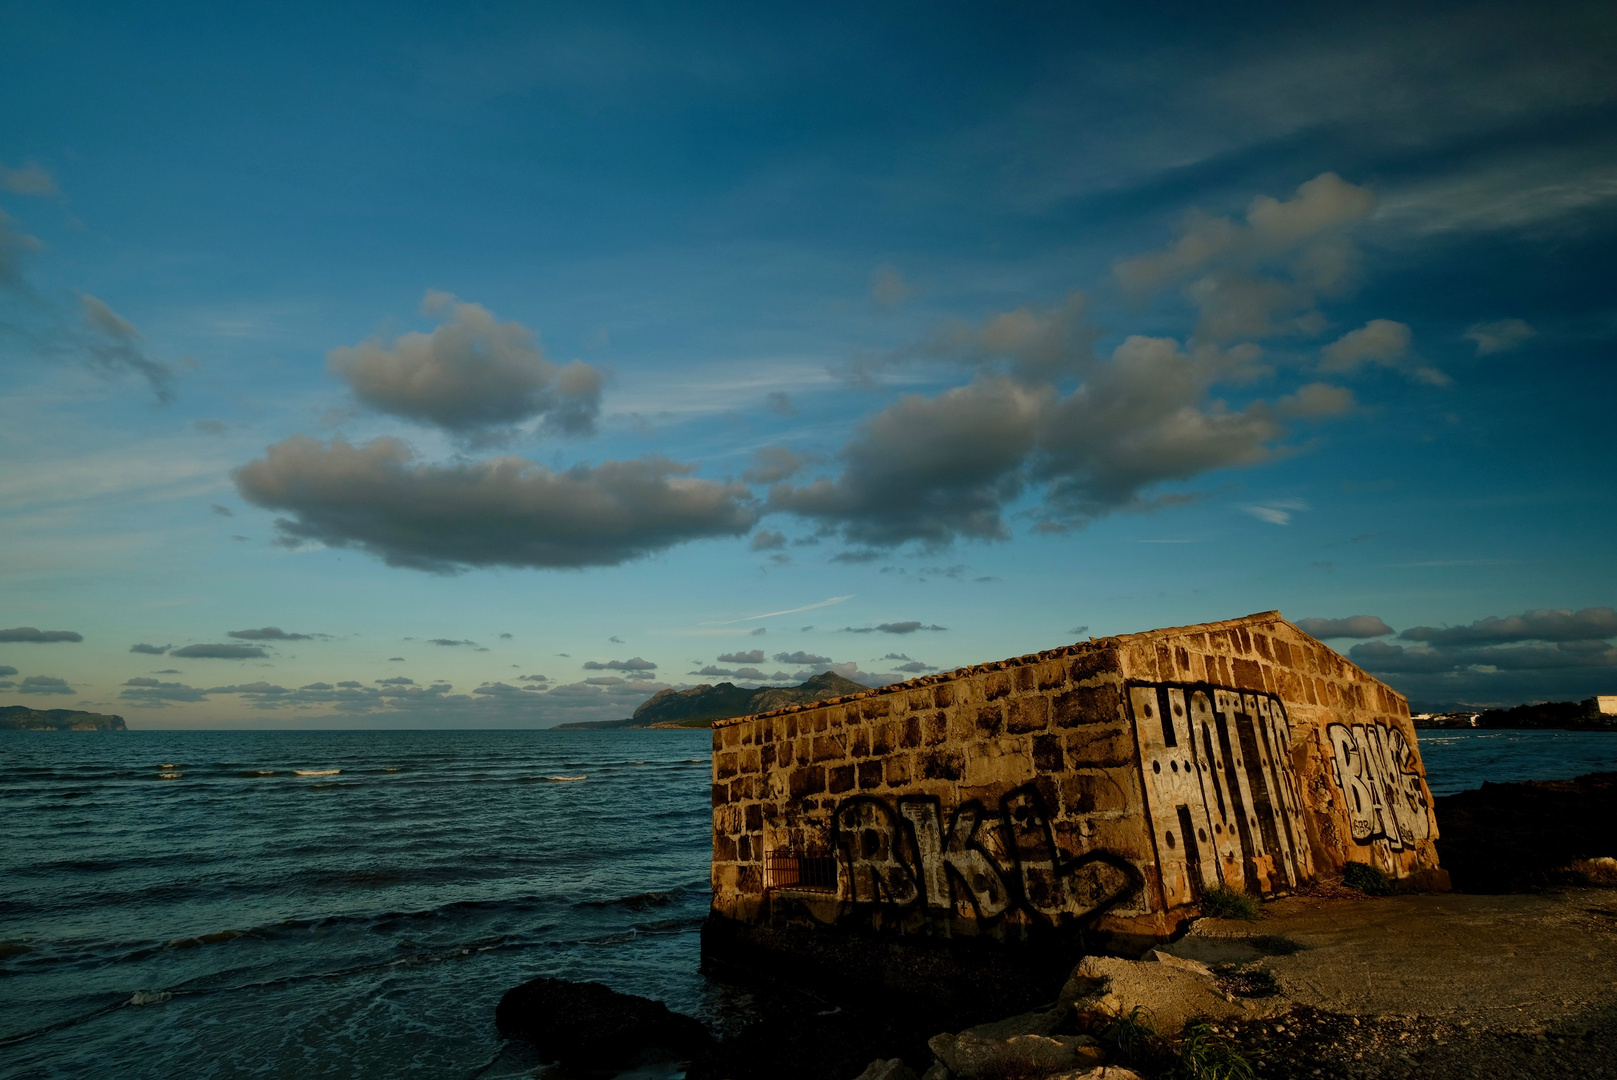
[1104, 786]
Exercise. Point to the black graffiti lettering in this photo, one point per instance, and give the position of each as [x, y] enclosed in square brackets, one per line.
[871, 845]
[955, 856]
[898, 856]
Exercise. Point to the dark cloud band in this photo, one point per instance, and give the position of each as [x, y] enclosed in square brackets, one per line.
[220, 651]
[501, 512]
[39, 637]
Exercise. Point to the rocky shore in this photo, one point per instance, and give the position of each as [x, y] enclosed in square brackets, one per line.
[1513, 974]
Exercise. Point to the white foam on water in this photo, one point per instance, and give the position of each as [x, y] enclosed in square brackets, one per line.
[169, 775]
[566, 779]
[316, 772]
[149, 997]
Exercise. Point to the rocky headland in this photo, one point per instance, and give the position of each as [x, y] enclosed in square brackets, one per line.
[699, 706]
[22, 718]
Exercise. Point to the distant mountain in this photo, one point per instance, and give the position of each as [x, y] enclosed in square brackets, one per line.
[827, 684]
[699, 706]
[22, 718]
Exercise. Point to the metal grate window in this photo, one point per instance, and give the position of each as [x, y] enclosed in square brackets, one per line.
[805, 873]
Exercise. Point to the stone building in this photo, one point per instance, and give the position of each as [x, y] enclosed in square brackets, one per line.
[1017, 813]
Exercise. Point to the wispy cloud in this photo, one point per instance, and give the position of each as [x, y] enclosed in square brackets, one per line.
[785, 611]
[1276, 511]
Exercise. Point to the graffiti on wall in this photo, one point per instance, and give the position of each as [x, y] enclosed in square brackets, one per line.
[1387, 799]
[900, 853]
[1221, 790]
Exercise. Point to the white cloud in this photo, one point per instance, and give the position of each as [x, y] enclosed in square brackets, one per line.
[928, 469]
[1316, 399]
[29, 179]
[1276, 512]
[1143, 419]
[1532, 191]
[1031, 343]
[1260, 278]
[473, 375]
[1378, 343]
[934, 469]
[1495, 337]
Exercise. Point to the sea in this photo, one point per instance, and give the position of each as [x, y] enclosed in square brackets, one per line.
[353, 904]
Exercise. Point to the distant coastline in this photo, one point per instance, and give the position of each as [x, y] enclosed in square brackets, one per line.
[1546, 715]
[22, 718]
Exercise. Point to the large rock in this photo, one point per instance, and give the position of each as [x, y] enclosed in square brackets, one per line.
[572, 1021]
[1103, 987]
[891, 1069]
[1034, 1023]
[1519, 837]
[970, 1055]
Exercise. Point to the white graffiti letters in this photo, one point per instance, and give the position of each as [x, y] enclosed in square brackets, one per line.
[1221, 789]
[1386, 798]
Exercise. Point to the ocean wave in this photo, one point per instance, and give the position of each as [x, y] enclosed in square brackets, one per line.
[670, 926]
[170, 775]
[315, 772]
[206, 939]
[637, 902]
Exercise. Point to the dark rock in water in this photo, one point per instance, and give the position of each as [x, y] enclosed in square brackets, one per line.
[588, 1022]
[798, 1035]
[1515, 837]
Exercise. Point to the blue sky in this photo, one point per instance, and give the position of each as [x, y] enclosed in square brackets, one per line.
[391, 366]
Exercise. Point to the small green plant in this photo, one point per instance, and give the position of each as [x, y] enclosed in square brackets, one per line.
[1132, 1037]
[1205, 1056]
[1366, 878]
[1227, 903]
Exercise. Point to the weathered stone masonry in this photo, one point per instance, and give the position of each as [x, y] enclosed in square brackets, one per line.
[1101, 787]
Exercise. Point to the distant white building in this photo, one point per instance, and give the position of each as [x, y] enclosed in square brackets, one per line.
[1603, 705]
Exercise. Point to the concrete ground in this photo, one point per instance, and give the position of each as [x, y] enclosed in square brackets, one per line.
[1508, 963]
